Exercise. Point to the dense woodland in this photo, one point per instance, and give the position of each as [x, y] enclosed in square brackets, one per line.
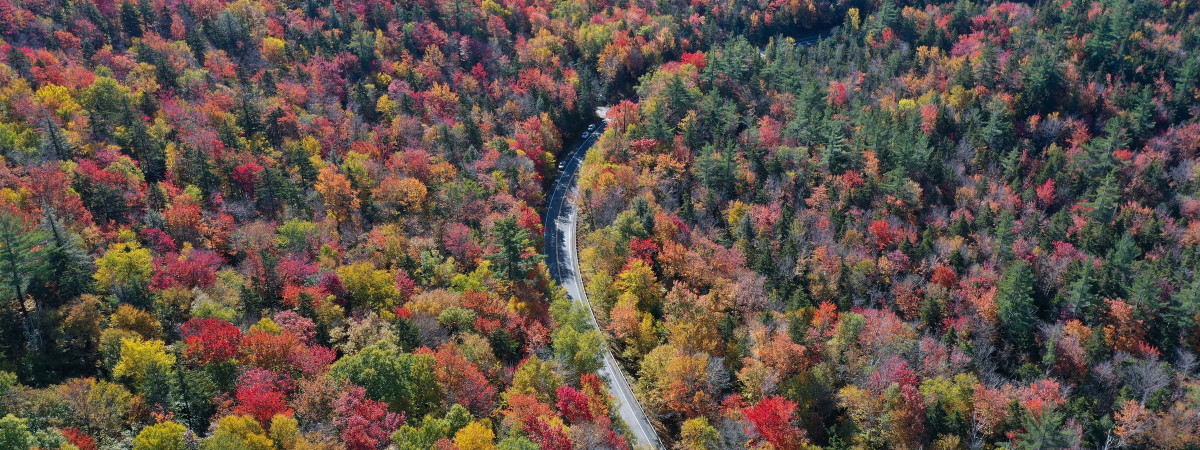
[309, 224]
[958, 225]
[316, 224]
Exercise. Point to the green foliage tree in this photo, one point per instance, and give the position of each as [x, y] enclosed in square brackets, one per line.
[515, 257]
[14, 433]
[68, 266]
[405, 381]
[1015, 307]
[1045, 431]
[22, 258]
[577, 344]
[432, 429]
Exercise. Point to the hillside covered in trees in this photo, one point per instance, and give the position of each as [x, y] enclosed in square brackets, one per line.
[316, 224]
[309, 224]
[955, 225]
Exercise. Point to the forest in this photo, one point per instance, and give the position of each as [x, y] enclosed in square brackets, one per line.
[317, 224]
[953, 225]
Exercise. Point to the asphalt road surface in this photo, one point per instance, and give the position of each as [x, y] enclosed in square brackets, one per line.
[562, 257]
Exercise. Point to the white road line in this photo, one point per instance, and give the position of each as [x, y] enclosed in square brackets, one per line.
[629, 408]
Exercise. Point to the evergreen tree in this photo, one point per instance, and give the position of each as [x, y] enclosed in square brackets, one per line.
[514, 257]
[22, 259]
[1081, 297]
[1015, 307]
[834, 155]
[68, 266]
[131, 20]
[1045, 431]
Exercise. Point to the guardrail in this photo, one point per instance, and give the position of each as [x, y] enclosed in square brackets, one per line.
[623, 378]
[621, 384]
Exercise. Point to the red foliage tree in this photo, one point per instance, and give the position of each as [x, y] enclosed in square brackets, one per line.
[547, 436]
[79, 439]
[210, 341]
[884, 236]
[696, 59]
[158, 240]
[302, 327]
[365, 424]
[772, 419]
[462, 381]
[573, 405]
[312, 360]
[247, 176]
[197, 268]
[51, 187]
[837, 93]
[267, 350]
[262, 394]
[458, 241]
[643, 249]
[1045, 193]
[944, 276]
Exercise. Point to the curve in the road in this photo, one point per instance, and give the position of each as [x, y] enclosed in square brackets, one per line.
[561, 219]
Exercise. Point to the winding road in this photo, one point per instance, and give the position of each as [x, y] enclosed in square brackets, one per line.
[562, 216]
[560, 221]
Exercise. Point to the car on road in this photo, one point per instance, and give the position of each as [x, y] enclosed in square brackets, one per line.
[561, 164]
[585, 135]
[592, 127]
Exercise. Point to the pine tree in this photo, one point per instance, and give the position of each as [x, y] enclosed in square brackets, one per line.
[22, 259]
[54, 142]
[1157, 311]
[68, 265]
[131, 20]
[1005, 236]
[1015, 307]
[1045, 431]
[515, 257]
[834, 155]
[148, 151]
[1081, 296]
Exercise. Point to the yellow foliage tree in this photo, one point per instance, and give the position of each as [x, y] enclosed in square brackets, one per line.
[238, 432]
[699, 434]
[139, 358]
[638, 280]
[58, 99]
[164, 436]
[369, 287]
[136, 320]
[124, 269]
[477, 435]
[285, 432]
[536, 377]
[274, 49]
